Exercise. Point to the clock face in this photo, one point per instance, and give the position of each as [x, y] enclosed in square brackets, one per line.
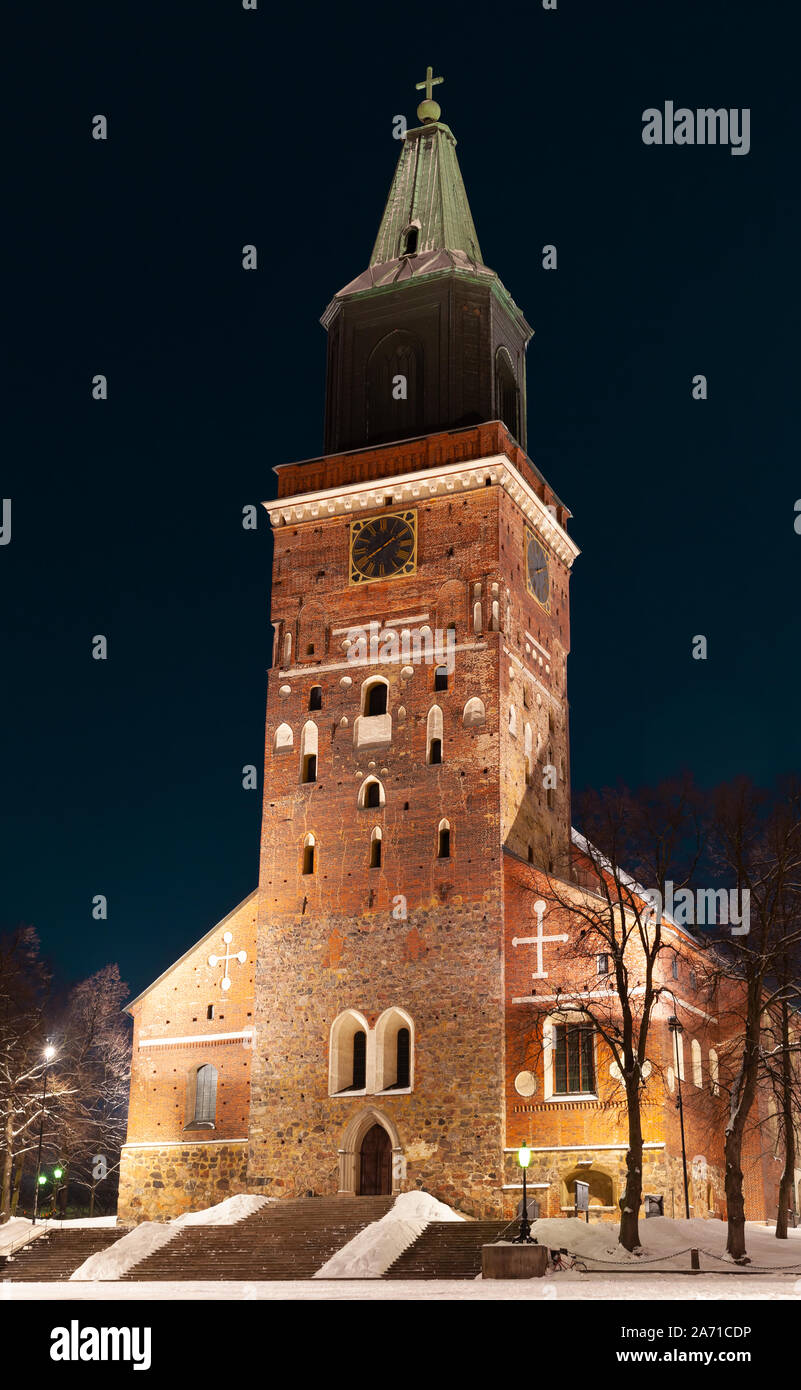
[383, 547]
[537, 578]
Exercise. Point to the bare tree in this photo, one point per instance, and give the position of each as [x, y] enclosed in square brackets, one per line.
[94, 1067]
[652, 834]
[757, 840]
[24, 988]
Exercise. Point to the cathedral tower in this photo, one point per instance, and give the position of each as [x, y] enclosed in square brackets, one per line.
[416, 721]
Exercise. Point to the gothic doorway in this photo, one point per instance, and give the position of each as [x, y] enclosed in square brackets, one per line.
[375, 1164]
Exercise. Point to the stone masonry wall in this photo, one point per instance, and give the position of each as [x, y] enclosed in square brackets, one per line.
[157, 1184]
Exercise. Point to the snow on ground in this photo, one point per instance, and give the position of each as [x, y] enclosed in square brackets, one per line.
[18, 1228]
[374, 1249]
[126, 1252]
[665, 1288]
[667, 1241]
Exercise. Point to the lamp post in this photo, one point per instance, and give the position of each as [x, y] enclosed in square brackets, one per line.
[524, 1238]
[676, 1027]
[49, 1054]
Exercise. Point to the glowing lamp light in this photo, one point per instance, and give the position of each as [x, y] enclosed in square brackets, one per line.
[49, 1053]
[58, 1172]
[42, 1179]
[524, 1155]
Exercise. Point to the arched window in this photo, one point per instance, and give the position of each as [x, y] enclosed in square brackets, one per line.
[202, 1097]
[395, 410]
[444, 840]
[371, 793]
[283, 739]
[308, 854]
[375, 848]
[316, 697]
[409, 238]
[695, 1052]
[474, 712]
[568, 1054]
[434, 735]
[287, 648]
[374, 697]
[359, 1062]
[507, 396]
[348, 1054]
[393, 1037]
[713, 1072]
[308, 752]
[478, 621]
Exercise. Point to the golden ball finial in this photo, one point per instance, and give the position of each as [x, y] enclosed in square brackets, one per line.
[429, 111]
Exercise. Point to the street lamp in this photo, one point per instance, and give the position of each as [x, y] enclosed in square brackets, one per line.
[524, 1238]
[49, 1054]
[676, 1027]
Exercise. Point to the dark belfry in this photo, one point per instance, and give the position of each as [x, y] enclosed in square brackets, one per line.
[426, 338]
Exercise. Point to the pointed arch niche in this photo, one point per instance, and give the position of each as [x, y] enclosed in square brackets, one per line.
[393, 413]
[394, 1051]
[347, 1054]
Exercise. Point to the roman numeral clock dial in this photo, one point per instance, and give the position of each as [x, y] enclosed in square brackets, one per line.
[538, 580]
[383, 547]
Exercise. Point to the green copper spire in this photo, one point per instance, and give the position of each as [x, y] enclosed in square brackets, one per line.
[427, 196]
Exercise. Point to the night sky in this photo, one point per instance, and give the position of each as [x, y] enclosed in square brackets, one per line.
[229, 127]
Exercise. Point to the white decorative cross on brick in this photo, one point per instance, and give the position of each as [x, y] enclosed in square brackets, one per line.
[241, 956]
[539, 973]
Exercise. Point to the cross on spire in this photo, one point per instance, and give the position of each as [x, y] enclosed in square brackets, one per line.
[428, 84]
[429, 109]
[241, 956]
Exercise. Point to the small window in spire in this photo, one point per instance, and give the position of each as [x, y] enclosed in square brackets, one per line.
[410, 241]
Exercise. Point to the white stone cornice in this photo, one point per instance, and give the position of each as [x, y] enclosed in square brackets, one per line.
[196, 1038]
[410, 488]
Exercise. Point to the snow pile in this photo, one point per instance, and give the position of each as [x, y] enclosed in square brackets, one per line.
[127, 1251]
[374, 1249]
[224, 1213]
[152, 1235]
[662, 1238]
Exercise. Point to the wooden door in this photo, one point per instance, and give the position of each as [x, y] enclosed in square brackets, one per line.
[375, 1175]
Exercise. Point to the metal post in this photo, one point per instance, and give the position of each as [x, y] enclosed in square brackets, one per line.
[39, 1154]
[675, 1027]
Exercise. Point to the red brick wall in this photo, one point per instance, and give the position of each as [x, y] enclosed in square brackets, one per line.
[175, 1007]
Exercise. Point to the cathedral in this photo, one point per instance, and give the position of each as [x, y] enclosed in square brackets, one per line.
[358, 1024]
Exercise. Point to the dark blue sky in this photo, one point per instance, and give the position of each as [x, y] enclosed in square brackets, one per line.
[227, 127]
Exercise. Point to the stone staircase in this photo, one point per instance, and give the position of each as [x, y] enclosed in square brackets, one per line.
[446, 1250]
[57, 1254]
[289, 1239]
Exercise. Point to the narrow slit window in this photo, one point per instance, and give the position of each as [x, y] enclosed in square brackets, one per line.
[359, 1061]
[316, 697]
[310, 767]
[436, 750]
[441, 678]
[444, 841]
